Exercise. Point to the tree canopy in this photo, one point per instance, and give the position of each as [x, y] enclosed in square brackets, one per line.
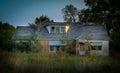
[70, 13]
[106, 12]
[6, 33]
[42, 18]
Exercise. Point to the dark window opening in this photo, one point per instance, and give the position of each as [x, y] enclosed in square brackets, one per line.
[96, 47]
[52, 49]
[52, 29]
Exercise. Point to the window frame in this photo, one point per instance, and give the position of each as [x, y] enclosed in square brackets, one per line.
[57, 29]
[52, 30]
[62, 29]
[52, 47]
[97, 46]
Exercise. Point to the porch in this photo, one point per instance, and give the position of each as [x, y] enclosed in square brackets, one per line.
[85, 47]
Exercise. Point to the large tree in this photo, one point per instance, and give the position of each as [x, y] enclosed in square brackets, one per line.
[70, 13]
[6, 33]
[43, 18]
[105, 12]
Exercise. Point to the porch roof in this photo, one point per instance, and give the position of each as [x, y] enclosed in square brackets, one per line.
[56, 43]
[96, 43]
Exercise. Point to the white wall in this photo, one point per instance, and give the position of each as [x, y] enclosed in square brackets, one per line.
[104, 50]
[48, 28]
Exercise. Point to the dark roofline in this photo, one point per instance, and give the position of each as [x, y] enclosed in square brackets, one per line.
[23, 26]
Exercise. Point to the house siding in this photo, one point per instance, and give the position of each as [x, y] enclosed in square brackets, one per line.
[94, 33]
[104, 50]
[44, 45]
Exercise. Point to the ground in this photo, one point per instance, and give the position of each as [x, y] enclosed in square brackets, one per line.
[16, 62]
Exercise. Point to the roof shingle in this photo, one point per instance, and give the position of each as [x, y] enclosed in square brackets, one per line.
[92, 32]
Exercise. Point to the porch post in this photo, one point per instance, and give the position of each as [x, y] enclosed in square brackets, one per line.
[77, 47]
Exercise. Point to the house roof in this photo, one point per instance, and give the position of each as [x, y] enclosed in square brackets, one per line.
[94, 32]
[91, 32]
[22, 31]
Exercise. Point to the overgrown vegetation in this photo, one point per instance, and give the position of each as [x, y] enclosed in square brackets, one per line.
[30, 44]
[99, 12]
[68, 48]
[6, 33]
[106, 12]
[16, 62]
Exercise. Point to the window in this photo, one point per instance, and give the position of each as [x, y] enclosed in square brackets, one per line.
[57, 29]
[52, 49]
[96, 47]
[52, 29]
[62, 29]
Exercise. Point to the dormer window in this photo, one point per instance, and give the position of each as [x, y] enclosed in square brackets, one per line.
[62, 29]
[52, 29]
[57, 29]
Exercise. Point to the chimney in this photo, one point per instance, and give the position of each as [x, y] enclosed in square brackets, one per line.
[39, 25]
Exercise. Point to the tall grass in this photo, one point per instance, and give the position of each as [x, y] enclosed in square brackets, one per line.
[16, 62]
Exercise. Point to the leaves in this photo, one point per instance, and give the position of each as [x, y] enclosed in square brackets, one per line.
[105, 12]
[70, 13]
[6, 33]
[30, 44]
[43, 18]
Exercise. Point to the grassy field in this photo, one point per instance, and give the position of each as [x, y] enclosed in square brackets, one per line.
[16, 62]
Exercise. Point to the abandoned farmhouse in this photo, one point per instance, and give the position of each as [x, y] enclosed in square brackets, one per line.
[50, 34]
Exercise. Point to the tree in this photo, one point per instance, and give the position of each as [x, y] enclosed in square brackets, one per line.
[105, 12]
[6, 33]
[30, 44]
[84, 15]
[31, 24]
[37, 21]
[70, 13]
[43, 18]
[68, 48]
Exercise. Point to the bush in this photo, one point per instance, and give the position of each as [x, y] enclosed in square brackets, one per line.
[36, 63]
[28, 44]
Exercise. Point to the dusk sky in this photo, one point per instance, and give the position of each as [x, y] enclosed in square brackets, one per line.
[22, 12]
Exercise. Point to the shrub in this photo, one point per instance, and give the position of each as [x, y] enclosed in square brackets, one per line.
[29, 44]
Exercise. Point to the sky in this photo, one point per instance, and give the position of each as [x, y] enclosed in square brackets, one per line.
[22, 12]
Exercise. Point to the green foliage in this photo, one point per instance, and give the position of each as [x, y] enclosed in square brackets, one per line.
[12, 62]
[6, 33]
[101, 11]
[43, 18]
[30, 44]
[105, 12]
[32, 24]
[70, 13]
[64, 39]
[115, 40]
[68, 47]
